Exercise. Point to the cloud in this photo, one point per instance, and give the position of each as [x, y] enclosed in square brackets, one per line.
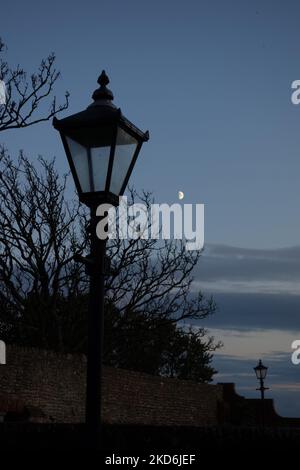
[255, 311]
[258, 297]
[287, 387]
[224, 263]
[253, 288]
[251, 345]
[262, 286]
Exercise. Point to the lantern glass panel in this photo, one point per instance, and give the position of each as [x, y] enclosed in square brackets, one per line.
[80, 162]
[124, 152]
[99, 163]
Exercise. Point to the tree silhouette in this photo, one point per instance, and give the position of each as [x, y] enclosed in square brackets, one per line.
[28, 101]
[43, 290]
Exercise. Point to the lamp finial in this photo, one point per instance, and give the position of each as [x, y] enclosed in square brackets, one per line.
[103, 93]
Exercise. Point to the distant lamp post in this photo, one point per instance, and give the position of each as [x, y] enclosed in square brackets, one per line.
[102, 147]
[261, 373]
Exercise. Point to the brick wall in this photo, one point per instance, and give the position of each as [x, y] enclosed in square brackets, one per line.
[55, 384]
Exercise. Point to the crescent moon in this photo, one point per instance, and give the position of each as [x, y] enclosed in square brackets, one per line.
[180, 194]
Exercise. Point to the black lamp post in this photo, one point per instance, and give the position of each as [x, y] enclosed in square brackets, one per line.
[261, 373]
[102, 147]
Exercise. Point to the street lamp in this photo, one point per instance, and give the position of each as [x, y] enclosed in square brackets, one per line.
[261, 373]
[102, 147]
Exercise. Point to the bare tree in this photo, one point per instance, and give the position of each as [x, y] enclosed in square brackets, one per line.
[43, 290]
[39, 234]
[25, 97]
[155, 276]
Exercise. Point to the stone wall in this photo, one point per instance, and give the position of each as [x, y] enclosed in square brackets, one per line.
[240, 411]
[55, 384]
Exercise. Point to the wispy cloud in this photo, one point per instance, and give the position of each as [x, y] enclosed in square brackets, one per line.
[225, 263]
[262, 286]
[270, 345]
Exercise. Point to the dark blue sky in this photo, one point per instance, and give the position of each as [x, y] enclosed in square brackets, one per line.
[211, 80]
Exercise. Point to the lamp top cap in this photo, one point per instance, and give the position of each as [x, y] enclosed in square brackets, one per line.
[260, 365]
[103, 93]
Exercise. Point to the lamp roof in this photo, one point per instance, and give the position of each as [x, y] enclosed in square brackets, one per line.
[101, 112]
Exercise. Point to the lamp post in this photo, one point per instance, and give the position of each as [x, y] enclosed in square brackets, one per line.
[261, 373]
[102, 147]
